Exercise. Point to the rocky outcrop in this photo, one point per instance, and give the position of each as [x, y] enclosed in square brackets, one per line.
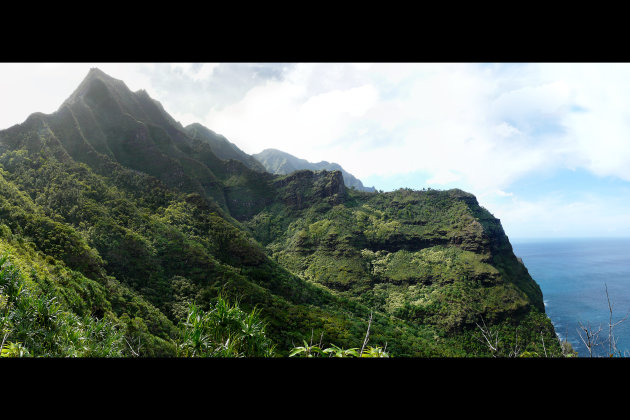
[305, 188]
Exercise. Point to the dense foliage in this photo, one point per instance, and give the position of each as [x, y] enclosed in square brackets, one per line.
[37, 320]
[33, 322]
[224, 331]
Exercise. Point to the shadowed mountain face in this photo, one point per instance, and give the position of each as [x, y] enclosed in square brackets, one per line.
[104, 122]
[221, 147]
[279, 162]
[125, 214]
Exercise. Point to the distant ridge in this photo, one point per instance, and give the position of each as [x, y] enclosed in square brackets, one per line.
[221, 147]
[282, 163]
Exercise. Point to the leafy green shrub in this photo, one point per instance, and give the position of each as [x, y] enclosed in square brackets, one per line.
[224, 331]
[335, 351]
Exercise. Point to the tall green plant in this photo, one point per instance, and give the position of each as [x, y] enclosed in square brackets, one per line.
[335, 351]
[224, 331]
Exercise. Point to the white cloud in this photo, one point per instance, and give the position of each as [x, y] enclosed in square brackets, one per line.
[531, 102]
[443, 178]
[182, 68]
[506, 130]
[596, 136]
[555, 216]
[194, 71]
[281, 115]
[340, 103]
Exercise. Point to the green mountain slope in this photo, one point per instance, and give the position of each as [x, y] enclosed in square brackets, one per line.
[406, 253]
[282, 163]
[125, 216]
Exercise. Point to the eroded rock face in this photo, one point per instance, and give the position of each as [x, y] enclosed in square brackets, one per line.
[304, 188]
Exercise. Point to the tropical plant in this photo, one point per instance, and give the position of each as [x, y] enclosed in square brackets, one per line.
[33, 323]
[306, 350]
[224, 331]
[336, 351]
[374, 352]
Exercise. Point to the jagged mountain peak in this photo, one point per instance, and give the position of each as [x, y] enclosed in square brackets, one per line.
[94, 77]
[95, 73]
[112, 96]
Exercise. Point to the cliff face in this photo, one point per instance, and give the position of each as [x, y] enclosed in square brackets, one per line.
[431, 257]
[303, 189]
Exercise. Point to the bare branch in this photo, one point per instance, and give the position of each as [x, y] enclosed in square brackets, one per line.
[610, 323]
[489, 336]
[134, 352]
[612, 342]
[591, 337]
[367, 335]
[3, 340]
[516, 351]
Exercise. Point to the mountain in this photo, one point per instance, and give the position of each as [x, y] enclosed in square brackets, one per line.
[115, 219]
[279, 162]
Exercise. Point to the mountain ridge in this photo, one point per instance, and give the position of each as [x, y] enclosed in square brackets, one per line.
[283, 163]
[222, 147]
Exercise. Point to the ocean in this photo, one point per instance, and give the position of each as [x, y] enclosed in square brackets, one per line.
[573, 275]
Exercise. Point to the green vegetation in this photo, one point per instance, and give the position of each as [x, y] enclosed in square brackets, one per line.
[34, 322]
[224, 331]
[129, 237]
[37, 320]
[334, 351]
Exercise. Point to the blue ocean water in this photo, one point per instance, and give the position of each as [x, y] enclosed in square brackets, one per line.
[573, 275]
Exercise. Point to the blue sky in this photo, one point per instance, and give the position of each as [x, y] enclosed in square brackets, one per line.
[559, 203]
[544, 146]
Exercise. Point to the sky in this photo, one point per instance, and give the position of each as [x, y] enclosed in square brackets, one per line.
[545, 147]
